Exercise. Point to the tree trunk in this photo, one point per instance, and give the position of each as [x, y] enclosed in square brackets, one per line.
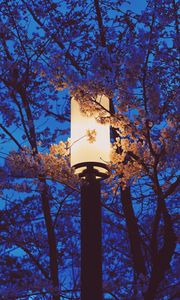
[53, 254]
[161, 259]
[133, 232]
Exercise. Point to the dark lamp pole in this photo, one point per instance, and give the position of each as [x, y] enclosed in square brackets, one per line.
[91, 250]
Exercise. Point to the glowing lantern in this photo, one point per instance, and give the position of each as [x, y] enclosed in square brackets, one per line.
[90, 140]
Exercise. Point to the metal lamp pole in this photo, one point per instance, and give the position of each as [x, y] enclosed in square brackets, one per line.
[91, 233]
[91, 250]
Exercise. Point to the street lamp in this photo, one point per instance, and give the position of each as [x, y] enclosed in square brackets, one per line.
[90, 152]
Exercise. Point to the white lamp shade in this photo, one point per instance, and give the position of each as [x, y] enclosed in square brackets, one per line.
[82, 150]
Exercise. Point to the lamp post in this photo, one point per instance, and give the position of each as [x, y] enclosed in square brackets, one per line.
[90, 158]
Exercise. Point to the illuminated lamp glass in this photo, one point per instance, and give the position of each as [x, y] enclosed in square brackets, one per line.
[90, 140]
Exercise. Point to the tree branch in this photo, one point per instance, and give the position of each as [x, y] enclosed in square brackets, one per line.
[172, 188]
[11, 136]
[100, 23]
[39, 266]
[56, 40]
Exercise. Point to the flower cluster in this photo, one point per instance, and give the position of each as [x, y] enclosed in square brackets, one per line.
[61, 149]
[91, 135]
[54, 165]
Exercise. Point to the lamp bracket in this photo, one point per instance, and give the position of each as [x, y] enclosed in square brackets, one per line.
[92, 170]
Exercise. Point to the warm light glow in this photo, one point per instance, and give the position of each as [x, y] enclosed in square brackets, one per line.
[90, 140]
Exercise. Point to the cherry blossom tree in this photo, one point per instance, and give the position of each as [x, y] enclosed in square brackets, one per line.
[51, 50]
